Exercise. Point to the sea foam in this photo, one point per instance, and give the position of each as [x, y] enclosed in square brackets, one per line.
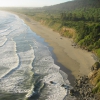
[26, 64]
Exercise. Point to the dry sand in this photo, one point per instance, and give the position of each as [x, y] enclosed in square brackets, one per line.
[75, 59]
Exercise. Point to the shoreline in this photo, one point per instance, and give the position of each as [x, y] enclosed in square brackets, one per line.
[71, 77]
[73, 61]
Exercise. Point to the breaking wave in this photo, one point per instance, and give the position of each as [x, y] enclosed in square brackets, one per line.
[27, 68]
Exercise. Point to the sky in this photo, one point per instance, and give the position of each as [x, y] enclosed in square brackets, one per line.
[29, 3]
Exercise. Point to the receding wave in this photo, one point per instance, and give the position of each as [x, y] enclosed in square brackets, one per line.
[9, 59]
[3, 39]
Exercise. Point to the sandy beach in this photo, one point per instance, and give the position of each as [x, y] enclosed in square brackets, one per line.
[78, 61]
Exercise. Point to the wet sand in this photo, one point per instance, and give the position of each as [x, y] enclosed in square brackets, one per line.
[78, 61]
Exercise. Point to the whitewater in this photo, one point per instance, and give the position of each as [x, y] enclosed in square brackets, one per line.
[27, 68]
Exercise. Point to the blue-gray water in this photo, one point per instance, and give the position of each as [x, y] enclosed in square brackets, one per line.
[26, 64]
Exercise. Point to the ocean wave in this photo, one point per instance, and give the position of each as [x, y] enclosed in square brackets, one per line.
[50, 74]
[20, 80]
[8, 58]
[3, 40]
[26, 64]
[4, 30]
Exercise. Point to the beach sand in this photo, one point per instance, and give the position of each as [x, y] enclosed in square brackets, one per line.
[78, 61]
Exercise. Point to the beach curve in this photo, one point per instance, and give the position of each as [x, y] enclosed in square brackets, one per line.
[78, 61]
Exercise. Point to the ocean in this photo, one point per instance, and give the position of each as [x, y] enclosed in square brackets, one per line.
[27, 68]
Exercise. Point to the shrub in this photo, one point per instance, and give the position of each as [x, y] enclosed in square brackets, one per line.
[98, 52]
[97, 88]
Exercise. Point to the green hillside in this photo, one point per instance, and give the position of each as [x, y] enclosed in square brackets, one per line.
[74, 4]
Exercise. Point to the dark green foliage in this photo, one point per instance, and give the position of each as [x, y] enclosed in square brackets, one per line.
[98, 52]
[89, 36]
[75, 4]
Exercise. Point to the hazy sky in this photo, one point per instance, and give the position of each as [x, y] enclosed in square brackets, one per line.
[29, 3]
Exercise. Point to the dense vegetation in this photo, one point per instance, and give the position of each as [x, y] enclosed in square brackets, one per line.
[79, 19]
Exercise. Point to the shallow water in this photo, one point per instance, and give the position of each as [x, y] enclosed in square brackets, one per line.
[27, 65]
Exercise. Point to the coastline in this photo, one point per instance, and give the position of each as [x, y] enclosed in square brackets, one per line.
[73, 61]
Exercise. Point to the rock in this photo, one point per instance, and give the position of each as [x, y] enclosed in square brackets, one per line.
[63, 85]
[72, 92]
[82, 89]
[96, 66]
[90, 74]
[51, 82]
[92, 68]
